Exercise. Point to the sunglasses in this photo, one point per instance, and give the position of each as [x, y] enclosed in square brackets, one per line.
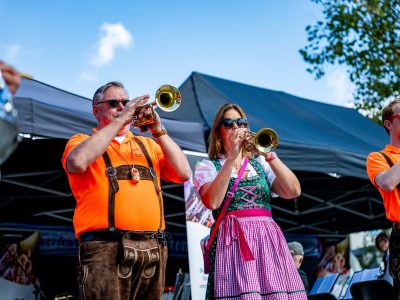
[113, 103]
[395, 116]
[240, 122]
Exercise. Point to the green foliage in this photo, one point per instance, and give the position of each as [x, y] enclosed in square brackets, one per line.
[364, 36]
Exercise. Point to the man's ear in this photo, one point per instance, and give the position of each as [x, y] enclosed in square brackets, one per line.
[301, 260]
[387, 124]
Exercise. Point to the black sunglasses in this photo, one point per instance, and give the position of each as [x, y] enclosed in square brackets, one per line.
[240, 122]
[113, 103]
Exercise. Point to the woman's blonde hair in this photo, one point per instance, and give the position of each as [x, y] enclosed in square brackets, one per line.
[215, 147]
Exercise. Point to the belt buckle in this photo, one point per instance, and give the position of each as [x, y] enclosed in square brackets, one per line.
[160, 236]
[111, 171]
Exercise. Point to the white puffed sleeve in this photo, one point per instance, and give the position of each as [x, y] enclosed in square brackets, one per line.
[205, 172]
[269, 174]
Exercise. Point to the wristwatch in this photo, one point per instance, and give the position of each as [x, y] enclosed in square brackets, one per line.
[160, 133]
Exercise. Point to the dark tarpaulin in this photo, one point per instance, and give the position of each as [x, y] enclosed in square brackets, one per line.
[325, 145]
[313, 136]
[47, 111]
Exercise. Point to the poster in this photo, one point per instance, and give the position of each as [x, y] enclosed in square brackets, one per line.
[198, 222]
[17, 277]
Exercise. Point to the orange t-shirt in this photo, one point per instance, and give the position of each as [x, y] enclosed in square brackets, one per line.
[136, 204]
[376, 163]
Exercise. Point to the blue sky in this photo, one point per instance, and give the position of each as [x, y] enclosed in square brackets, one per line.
[79, 45]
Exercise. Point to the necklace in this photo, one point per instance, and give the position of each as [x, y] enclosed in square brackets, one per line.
[134, 172]
[237, 166]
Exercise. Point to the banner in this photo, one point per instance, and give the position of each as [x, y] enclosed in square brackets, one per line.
[198, 222]
[335, 259]
[17, 279]
[53, 240]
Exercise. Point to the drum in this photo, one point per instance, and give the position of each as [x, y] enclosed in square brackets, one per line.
[8, 122]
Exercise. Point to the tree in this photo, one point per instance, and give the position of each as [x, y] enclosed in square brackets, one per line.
[364, 36]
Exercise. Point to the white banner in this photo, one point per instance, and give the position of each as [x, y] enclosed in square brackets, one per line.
[198, 222]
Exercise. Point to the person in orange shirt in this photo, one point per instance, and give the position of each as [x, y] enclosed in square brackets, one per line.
[115, 179]
[383, 169]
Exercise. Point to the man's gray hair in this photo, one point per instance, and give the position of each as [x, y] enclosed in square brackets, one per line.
[99, 94]
[296, 248]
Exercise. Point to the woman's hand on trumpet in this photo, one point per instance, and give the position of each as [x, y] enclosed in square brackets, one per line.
[234, 142]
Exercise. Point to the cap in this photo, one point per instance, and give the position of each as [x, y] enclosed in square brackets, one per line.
[295, 248]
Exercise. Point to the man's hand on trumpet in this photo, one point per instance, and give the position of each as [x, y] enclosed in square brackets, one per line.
[156, 127]
[11, 76]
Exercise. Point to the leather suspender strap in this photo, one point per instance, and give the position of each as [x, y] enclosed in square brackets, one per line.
[154, 176]
[388, 160]
[117, 173]
[390, 163]
[113, 188]
[227, 202]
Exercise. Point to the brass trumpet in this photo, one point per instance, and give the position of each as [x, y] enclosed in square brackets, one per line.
[264, 141]
[168, 98]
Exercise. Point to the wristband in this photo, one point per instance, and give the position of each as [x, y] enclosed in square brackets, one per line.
[160, 133]
[271, 157]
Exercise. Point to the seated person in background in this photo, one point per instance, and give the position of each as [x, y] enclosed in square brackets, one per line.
[296, 249]
[382, 244]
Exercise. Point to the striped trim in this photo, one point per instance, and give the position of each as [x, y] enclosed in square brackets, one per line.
[259, 293]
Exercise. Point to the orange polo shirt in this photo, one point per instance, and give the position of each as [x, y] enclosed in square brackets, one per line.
[376, 163]
[136, 204]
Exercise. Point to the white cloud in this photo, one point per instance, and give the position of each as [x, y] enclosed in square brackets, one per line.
[341, 87]
[113, 36]
[10, 52]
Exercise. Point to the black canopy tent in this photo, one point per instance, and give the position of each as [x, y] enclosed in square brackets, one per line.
[325, 145]
[46, 111]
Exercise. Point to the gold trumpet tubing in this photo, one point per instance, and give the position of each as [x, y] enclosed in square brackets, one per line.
[168, 98]
[25, 75]
[264, 141]
[249, 142]
[145, 120]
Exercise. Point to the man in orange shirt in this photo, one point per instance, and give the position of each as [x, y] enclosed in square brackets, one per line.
[115, 178]
[383, 169]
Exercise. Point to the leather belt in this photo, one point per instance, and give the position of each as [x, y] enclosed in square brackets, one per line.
[117, 235]
[102, 235]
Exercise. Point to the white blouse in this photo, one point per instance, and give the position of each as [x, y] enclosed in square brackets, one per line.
[206, 172]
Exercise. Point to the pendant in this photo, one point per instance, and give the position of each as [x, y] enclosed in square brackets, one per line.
[135, 175]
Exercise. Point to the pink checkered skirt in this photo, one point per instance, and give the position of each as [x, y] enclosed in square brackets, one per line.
[264, 271]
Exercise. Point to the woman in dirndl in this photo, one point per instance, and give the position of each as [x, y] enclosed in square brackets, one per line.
[250, 258]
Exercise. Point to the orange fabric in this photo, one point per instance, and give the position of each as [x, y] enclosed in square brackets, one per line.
[136, 205]
[376, 163]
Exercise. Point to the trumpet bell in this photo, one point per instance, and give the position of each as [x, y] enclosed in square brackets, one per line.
[266, 140]
[168, 98]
